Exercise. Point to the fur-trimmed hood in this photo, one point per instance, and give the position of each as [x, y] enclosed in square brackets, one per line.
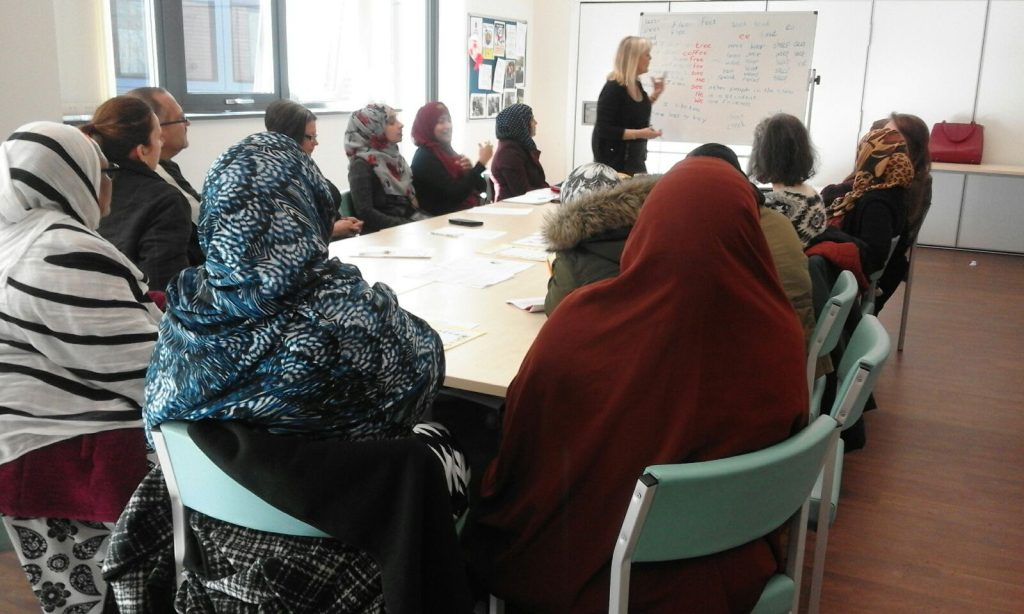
[597, 213]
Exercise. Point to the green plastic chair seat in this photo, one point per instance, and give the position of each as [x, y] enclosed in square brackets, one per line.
[691, 510]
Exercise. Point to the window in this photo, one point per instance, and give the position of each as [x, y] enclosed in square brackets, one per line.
[238, 55]
[134, 53]
[223, 55]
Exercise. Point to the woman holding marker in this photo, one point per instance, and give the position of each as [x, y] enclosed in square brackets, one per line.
[623, 124]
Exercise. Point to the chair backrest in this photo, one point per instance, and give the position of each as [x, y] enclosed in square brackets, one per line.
[345, 207]
[696, 509]
[830, 322]
[202, 486]
[867, 303]
[862, 362]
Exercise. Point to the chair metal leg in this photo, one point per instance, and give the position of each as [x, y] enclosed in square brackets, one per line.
[906, 297]
[795, 556]
[495, 605]
[177, 508]
[821, 532]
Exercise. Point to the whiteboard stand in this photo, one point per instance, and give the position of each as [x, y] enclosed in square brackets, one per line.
[814, 80]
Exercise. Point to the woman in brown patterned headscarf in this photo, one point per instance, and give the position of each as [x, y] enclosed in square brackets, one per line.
[875, 209]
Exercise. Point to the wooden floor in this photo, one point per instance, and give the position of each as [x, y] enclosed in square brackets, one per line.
[932, 511]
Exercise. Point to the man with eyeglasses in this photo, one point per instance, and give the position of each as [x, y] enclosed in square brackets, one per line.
[175, 132]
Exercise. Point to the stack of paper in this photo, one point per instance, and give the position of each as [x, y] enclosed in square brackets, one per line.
[534, 197]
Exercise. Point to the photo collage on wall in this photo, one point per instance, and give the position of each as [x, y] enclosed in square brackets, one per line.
[497, 65]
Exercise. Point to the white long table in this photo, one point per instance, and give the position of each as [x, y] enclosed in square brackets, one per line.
[485, 364]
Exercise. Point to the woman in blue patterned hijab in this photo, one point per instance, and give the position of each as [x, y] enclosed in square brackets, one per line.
[270, 330]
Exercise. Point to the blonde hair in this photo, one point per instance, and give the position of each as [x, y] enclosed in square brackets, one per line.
[627, 58]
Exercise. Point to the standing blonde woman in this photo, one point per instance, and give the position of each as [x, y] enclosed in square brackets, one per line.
[624, 110]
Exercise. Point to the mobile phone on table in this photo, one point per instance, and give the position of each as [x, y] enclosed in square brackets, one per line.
[460, 221]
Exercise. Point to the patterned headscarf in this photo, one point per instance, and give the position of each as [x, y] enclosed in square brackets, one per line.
[882, 162]
[269, 329]
[586, 178]
[423, 136]
[513, 123]
[365, 139]
[48, 172]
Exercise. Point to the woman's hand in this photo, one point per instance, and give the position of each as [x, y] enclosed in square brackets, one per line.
[347, 227]
[641, 133]
[485, 153]
[659, 87]
[465, 163]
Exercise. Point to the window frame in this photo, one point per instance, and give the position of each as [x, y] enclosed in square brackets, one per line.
[170, 43]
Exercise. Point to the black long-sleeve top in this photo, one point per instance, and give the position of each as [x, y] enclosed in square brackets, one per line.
[616, 112]
[438, 193]
[878, 217]
[376, 208]
[150, 222]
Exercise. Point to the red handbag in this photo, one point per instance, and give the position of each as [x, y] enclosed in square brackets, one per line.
[957, 143]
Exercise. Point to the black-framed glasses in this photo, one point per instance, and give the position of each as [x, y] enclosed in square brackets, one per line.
[311, 137]
[110, 170]
[183, 120]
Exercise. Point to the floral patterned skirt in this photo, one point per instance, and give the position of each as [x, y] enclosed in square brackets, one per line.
[62, 559]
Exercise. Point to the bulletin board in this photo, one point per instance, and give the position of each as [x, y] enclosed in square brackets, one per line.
[497, 64]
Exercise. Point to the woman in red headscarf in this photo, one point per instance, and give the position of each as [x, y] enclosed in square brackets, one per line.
[692, 353]
[444, 180]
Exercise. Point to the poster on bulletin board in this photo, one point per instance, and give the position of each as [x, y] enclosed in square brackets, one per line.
[497, 64]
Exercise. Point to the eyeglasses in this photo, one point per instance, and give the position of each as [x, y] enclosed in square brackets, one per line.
[111, 170]
[311, 137]
[183, 120]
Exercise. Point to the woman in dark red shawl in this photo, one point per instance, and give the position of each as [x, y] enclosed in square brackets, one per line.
[692, 353]
[444, 180]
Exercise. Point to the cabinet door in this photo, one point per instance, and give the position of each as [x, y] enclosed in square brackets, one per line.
[940, 225]
[993, 216]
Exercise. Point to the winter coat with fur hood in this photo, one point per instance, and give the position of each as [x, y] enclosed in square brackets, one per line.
[588, 235]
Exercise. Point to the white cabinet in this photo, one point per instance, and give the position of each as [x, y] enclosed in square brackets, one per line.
[993, 214]
[940, 226]
[977, 207]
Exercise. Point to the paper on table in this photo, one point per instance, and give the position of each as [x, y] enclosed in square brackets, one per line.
[534, 240]
[390, 251]
[472, 271]
[493, 210]
[452, 334]
[518, 251]
[471, 233]
[533, 304]
[534, 197]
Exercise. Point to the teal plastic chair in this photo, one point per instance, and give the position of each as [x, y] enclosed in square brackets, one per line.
[690, 510]
[5, 542]
[345, 207]
[862, 362]
[194, 481]
[829, 327]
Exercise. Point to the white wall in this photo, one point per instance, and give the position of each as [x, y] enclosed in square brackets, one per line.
[874, 57]
[28, 65]
[942, 60]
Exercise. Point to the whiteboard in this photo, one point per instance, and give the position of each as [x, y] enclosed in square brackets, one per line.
[724, 72]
